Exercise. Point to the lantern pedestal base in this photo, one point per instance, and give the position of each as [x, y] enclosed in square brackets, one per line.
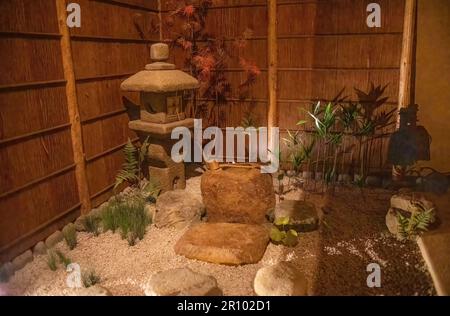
[170, 178]
[162, 169]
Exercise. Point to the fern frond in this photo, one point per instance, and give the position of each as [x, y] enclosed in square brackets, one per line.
[421, 220]
[403, 226]
[129, 172]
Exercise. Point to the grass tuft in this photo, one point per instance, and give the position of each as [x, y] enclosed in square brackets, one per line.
[128, 216]
[91, 224]
[90, 278]
[70, 236]
[63, 259]
[52, 260]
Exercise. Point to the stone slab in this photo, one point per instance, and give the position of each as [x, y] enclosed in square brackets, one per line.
[159, 129]
[435, 248]
[224, 243]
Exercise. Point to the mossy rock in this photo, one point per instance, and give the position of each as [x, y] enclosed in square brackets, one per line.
[303, 215]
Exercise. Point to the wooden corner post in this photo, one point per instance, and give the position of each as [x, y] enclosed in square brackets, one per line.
[272, 53]
[405, 92]
[72, 104]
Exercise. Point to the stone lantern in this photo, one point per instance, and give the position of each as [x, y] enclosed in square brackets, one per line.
[162, 89]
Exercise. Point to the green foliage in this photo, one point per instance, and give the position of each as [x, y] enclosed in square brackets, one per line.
[131, 168]
[282, 234]
[90, 278]
[129, 172]
[359, 181]
[418, 222]
[63, 259]
[324, 119]
[91, 224]
[52, 260]
[70, 236]
[149, 191]
[299, 151]
[127, 215]
[248, 121]
[349, 116]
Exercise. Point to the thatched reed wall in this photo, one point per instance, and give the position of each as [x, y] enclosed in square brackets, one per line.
[38, 189]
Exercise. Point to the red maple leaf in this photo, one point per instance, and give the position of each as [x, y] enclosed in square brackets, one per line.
[189, 10]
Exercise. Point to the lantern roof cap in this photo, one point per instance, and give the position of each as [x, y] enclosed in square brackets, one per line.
[160, 76]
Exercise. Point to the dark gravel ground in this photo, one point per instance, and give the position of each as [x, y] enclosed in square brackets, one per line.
[352, 235]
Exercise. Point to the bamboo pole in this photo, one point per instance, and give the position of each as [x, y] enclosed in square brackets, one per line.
[72, 104]
[272, 115]
[272, 45]
[160, 21]
[405, 96]
[405, 90]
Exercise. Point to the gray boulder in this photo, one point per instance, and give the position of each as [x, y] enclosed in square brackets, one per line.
[182, 282]
[281, 279]
[22, 260]
[177, 209]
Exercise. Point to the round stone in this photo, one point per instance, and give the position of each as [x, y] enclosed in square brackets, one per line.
[281, 279]
[182, 282]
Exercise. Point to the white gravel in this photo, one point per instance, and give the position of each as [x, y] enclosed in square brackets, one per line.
[125, 270]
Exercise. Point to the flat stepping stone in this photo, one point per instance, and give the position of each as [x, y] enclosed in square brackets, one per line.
[224, 243]
[302, 215]
[435, 249]
[182, 282]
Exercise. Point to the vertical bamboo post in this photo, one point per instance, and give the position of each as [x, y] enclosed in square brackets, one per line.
[405, 89]
[272, 45]
[405, 96]
[160, 21]
[72, 104]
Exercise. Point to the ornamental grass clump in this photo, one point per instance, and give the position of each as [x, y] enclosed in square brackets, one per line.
[91, 224]
[128, 216]
[70, 236]
[90, 278]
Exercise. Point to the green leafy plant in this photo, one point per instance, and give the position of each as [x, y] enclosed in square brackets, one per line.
[91, 224]
[418, 222]
[70, 236]
[370, 123]
[52, 260]
[132, 174]
[299, 151]
[65, 261]
[90, 278]
[282, 234]
[325, 128]
[131, 168]
[127, 215]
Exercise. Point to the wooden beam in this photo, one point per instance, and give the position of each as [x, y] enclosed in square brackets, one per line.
[405, 89]
[72, 104]
[405, 93]
[272, 111]
[160, 19]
